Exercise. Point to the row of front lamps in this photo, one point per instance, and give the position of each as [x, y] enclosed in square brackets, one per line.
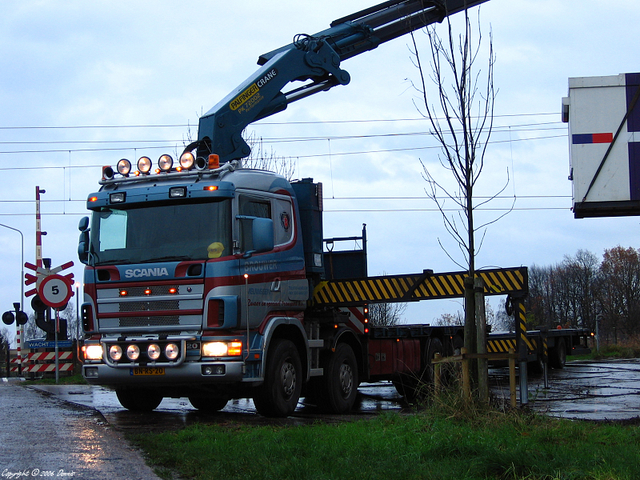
[187, 161]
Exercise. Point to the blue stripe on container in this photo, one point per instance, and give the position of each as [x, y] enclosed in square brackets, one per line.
[581, 138]
[632, 81]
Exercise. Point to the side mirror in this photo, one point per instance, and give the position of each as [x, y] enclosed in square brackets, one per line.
[258, 234]
[83, 242]
[83, 225]
[262, 235]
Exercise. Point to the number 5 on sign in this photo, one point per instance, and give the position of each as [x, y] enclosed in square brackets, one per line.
[55, 290]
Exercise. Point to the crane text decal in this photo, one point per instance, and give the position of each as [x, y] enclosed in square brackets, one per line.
[251, 96]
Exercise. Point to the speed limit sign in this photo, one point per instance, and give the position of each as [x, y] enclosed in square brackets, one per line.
[55, 290]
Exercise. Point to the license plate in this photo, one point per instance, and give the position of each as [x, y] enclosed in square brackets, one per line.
[147, 371]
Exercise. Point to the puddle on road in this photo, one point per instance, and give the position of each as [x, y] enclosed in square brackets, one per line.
[588, 391]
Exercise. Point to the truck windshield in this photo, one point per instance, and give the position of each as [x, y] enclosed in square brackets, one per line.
[151, 233]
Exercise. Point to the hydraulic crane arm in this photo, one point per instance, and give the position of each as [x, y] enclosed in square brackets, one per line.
[315, 61]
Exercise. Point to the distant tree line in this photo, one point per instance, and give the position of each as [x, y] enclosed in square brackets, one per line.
[582, 290]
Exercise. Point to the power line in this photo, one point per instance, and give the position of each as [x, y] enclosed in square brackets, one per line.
[309, 122]
[362, 152]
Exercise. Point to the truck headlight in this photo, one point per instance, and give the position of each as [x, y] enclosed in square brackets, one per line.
[115, 352]
[171, 351]
[214, 349]
[133, 352]
[153, 351]
[93, 352]
[222, 349]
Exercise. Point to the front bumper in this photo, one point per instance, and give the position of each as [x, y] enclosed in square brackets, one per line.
[192, 373]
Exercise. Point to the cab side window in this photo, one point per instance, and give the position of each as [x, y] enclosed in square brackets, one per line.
[251, 207]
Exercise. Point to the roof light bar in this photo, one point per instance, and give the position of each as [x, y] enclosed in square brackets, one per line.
[186, 164]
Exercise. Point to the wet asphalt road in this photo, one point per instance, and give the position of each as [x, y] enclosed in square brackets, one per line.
[79, 428]
[41, 436]
[590, 391]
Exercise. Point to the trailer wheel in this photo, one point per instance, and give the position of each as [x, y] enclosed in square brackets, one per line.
[208, 403]
[138, 399]
[413, 388]
[341, 381]
[558, 356]
[279, 394]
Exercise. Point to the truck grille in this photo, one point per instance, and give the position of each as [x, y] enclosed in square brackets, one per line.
[159, 305]
[149, 321]
[149, 306]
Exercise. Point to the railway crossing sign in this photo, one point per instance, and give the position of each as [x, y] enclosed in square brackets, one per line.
[53, 288]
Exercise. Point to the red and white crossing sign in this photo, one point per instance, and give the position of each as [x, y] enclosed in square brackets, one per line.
[54, 289]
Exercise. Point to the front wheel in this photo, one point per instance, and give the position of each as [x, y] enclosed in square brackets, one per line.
[138, 399]
[279, 394]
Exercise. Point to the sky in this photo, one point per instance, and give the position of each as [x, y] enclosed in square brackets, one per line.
[83, 84]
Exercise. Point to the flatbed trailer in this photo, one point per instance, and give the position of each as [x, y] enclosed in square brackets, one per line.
[551, 346]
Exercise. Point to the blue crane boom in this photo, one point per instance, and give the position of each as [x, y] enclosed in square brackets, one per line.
[314, 60]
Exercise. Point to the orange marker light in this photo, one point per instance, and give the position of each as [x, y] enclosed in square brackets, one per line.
[235, 348]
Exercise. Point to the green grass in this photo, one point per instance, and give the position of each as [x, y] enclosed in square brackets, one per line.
[63, 380]
[627, 349]
[440, 443]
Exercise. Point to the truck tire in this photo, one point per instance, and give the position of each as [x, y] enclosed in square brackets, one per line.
[208, 403]
[417, 387]
[558, 354]
[341, 380]
[279, 394]
[138, 399]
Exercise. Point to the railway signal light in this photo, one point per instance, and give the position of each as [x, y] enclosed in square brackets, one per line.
[20, 317]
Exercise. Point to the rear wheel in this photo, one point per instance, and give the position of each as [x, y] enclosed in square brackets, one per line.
[208, 403]
[138, 399]
[558, 356]
[279, 394]
[341, 381]
[414, 387]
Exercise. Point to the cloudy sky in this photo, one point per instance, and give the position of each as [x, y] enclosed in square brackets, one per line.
[83, 84]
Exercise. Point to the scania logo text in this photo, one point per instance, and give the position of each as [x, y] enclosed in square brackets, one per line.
[146, 272]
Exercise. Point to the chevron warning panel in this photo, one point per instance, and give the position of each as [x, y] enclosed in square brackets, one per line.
[407, 288]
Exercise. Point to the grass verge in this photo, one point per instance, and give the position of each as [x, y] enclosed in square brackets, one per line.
[441, 442]
[77, 379]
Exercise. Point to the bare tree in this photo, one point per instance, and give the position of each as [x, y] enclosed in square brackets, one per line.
[462, 122]
[4, 352]
[461, 118]
[262, 159]
[386, 314]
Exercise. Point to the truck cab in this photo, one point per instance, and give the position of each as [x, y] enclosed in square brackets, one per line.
[186, 277]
